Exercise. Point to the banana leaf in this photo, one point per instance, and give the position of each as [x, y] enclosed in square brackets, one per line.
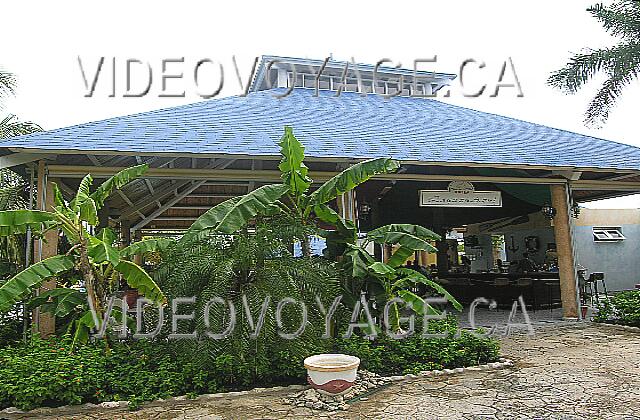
[83, 326]
[416, 277]
[294, 171]
[400, 256]
[213, 216]
[14, 222]
[58, 199]
[346, 228]
[417, 303]
[60, 301]
[415, 230]
[107, 235]
[83, 205]
[116, 182]
[381, 268]
[403, 239]
[137, 278]
[351, 178]
[231, 215]
[357, 261]
[101, 251]
[148, 245]
[23, 283]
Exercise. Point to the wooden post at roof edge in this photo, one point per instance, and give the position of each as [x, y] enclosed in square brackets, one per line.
[346, 204]
[137, 236]
[564, 245]
[125, 233]
[44, 323]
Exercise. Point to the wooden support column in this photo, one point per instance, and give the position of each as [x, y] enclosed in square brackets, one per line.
[347, 206]
[103, 216]
[125, 233]
[44, 323]
[137, 236]
[564, 244]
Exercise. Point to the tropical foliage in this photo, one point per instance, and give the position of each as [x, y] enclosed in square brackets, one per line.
[95, 256]
[10, 126]
[247, 268]
[288, 212]
[620, 63]
[390, 280]
[12, 187]
[12, 196]
[220, 256]
[241, 251]
[46, 373]
[7, 83]
[12, 251]
[292, 199]
[622, 308]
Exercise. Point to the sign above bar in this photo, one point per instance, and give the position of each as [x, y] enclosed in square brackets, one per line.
[460, 194]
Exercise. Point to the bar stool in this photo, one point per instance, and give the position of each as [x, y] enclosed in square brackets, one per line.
[527, 283]
[592, 284]
[462, 285]
[550, 292]
[503, 283]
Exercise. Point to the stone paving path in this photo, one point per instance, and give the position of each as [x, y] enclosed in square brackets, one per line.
[579, 371]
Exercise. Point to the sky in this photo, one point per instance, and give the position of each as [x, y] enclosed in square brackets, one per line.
[43, 42]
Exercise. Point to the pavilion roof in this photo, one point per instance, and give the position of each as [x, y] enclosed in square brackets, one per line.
[349, 126]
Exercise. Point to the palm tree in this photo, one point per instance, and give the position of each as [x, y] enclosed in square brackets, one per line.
[7, 83]
[10, 126]
[12, 187]
[621, 62]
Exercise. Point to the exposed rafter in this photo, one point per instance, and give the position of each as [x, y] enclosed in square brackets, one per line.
[171, 189]
[96, 161]
[16, 159]
[146, 180]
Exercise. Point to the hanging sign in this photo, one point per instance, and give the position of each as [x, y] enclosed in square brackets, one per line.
[460, 194]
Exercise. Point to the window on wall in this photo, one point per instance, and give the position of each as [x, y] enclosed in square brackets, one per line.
[607, 234]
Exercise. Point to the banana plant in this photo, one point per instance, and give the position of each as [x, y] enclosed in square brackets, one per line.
[96, 257]
[293, 197]
[308, 206]
[388, 280]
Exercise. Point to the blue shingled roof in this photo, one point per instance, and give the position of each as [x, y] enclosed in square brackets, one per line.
[348, 126]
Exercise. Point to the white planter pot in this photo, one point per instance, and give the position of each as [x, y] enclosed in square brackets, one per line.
[331, 373]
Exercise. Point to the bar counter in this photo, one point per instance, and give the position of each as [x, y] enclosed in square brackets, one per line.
[538, 289]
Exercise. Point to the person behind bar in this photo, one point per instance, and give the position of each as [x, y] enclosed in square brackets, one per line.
[527, 265]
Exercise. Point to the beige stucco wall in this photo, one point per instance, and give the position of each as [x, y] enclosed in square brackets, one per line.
[608, 217]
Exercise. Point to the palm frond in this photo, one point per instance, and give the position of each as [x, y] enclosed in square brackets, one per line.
[621, 74]
[257, 266]
[7, 83]
[621, 19]
[11, 127]
[620, 63]
[581, 68]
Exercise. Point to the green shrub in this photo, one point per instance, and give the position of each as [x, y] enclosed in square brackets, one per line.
[11, 328]
[48, 373]
[413, 354]
[622, 308]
